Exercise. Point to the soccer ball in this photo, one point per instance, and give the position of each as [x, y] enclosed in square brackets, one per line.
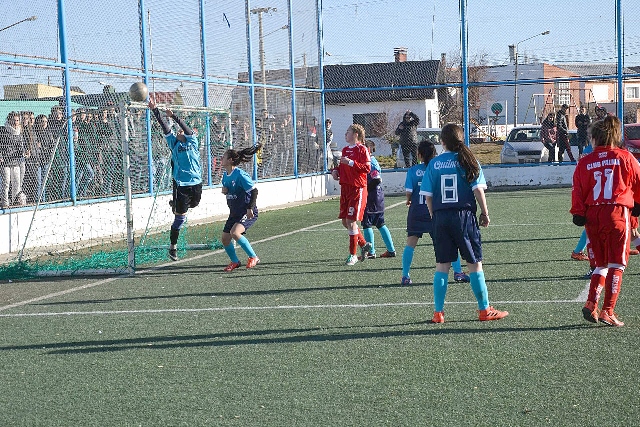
[138, 92]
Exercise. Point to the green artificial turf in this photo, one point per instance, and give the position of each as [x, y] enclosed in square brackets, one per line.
[303, 340]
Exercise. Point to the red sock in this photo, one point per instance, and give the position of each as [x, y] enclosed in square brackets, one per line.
[612, 289]
[353, 244]
[595, 287]
[361, 241]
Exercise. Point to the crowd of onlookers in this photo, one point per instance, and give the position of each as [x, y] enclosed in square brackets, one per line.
[35, 160]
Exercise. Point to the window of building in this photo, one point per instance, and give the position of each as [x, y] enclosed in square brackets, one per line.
[375, 124]
[632, 92]
[564, 94]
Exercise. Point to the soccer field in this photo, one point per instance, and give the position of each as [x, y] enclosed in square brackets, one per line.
[304, 340]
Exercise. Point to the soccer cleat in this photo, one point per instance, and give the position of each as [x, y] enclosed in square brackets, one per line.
[590, 312]
[388, 254]
[351, 260]
[369, 255]
[406, 281]
[252, 262]
[173, 254]
[232, 266]
[438, 317]
[589, 273]
[610, 318]
[491, 313]
[634, 252]
[364, 250]
[579, 256]
[461, 278]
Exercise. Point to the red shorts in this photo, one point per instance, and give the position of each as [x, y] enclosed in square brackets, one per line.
[353, 201]
[609, 231]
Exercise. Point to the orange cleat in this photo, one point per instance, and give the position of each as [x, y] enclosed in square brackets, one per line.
[491, 313]
[232, 266]
[438, 317]
[610, 318]
[252, 262]
[634, 252]
[579, 256]
[590, 312]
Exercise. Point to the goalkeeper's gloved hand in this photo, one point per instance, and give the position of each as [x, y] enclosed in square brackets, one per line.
[579, 220]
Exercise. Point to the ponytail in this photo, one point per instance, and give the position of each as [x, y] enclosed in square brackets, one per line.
[242, 156]
[452, 136]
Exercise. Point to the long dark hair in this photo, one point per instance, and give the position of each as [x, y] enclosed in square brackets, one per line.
[452, 136]
[427, 151]
[242, 156]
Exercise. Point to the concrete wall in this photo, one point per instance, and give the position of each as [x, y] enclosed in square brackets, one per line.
[66, 225]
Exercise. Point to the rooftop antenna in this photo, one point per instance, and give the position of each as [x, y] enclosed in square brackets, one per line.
[433, 23]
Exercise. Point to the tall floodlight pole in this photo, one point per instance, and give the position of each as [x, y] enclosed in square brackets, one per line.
[259, 11]
[513, 53]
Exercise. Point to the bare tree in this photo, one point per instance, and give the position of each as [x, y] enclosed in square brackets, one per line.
[450, 98]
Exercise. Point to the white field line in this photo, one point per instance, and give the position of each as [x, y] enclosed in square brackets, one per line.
[582, 297]
[276, 307]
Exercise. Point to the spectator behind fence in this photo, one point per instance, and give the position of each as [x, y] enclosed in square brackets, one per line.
[42, 153]
[407, 130]
[28, 169]
[582, 124]
[562, 133]
[12, 152]
[548, 136]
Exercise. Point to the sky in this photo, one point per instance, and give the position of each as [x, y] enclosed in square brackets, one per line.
[354, 31]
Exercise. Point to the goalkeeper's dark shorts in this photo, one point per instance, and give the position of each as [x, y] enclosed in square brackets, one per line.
[185, 197]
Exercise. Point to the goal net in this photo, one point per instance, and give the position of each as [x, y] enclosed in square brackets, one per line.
[102, 206]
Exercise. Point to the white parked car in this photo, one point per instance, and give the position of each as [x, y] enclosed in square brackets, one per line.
[523, 145]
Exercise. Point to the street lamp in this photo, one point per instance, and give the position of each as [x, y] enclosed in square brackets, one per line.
[31, 18]
[513, 53]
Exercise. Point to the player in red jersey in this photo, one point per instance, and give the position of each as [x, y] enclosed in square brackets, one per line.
[352, 172]
[606, 187]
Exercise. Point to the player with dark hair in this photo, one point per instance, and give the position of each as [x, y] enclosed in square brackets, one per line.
[241, 194]
[187, 172]
[352, 171]
[374, 211]
[606, 192]
[418, 217]
[454, 186]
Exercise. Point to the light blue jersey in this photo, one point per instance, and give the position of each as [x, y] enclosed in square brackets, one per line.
[239, 184]
[446, 183]
[186, 159]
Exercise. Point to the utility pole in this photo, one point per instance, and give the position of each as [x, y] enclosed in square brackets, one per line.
[259, 11]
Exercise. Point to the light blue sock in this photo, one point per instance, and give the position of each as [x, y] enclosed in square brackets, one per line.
[582, 242]
[246, 246]
[479, 288]
[439, 289]
[407, 258]
[368, 236]
[457, 265]
[231, 251]
[386, 236]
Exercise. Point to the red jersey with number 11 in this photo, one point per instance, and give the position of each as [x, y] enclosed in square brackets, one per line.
[607, 176]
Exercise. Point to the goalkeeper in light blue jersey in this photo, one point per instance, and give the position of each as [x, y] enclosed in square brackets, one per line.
[186, 170]
[453, 186]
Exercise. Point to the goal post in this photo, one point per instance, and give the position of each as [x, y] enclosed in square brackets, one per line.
[120, 217]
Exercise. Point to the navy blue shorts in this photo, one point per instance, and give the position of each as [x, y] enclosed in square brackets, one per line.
[373, 220]
[456, 230]
[237, 219]
[185, 197]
